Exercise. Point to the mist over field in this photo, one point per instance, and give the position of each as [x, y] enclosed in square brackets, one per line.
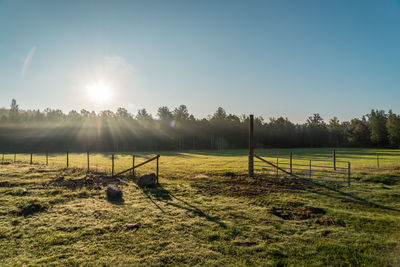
[52, 130]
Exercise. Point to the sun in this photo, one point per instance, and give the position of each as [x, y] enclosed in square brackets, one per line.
[99, 92]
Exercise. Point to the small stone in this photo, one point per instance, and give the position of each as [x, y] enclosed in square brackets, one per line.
[131, 226]
[114, 192]
[147, 180]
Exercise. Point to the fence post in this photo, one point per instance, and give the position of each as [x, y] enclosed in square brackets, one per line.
[3, 157]
[112, 165]
[310, 170]
[251, 146]
[291, 157]
[15, 157]
[67, 159]
[88, 166]
[334, 159]
[377, 159]
[31, 162]
[47, 158]
[158, 156]
[277, 166]
[348, 174]
[133, 165]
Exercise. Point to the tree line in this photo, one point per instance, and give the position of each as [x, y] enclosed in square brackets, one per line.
[54, 131]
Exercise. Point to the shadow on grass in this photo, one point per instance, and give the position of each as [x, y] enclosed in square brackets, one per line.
[330, 191]
[116, 201]
[159, 193]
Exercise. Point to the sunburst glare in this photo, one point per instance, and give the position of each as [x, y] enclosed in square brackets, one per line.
[99, 92]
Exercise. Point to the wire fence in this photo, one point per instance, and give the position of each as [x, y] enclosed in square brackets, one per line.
[108, 163]
[370, 160]
[321, 170]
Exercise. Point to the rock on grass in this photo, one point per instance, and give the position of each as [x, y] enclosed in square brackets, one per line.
[147, 180]
[114, 192]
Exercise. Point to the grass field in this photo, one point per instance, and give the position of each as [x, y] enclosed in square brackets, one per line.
[205, 212]
[180, 164]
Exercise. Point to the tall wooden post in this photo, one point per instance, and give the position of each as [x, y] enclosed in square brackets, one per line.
[47, 158]
[158, 156]
[133, 165]
[277, 166]
[334, 159]
[3, 157]
[310, 169]
[112, 165]
[15, 157]
[291, 157]
[31, 162]
[377, 160]
[88, 166]
[251, 146]
[348, 174]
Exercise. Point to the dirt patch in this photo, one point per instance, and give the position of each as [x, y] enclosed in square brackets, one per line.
[299, 213]
[29, 208]
[249, 187]
[89, 181]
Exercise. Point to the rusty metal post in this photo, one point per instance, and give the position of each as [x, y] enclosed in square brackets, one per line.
[251, 146]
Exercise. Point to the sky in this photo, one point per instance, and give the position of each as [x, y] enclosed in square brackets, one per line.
[268, 58]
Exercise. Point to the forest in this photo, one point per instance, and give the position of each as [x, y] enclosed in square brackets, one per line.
[54, 131]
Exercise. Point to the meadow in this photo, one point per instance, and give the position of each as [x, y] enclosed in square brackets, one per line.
[206, 211]
[180, 164]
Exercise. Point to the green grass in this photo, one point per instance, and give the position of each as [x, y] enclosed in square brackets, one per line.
[181, 163]
[205, 212]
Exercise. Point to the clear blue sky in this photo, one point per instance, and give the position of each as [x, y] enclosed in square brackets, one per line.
[270, 58]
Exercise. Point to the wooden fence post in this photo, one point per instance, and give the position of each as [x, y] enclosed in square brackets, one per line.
[133, 165]
[334, 159]
[348, 174]
[47, 158]
[3, 157]
[377, 160]
[291, 157]
[31, 162]
[15, 157]
[112, 165]
[67, 159]
[277, 166]
[310, 170]
[158, 156]
[88, 166]
[251, 146]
